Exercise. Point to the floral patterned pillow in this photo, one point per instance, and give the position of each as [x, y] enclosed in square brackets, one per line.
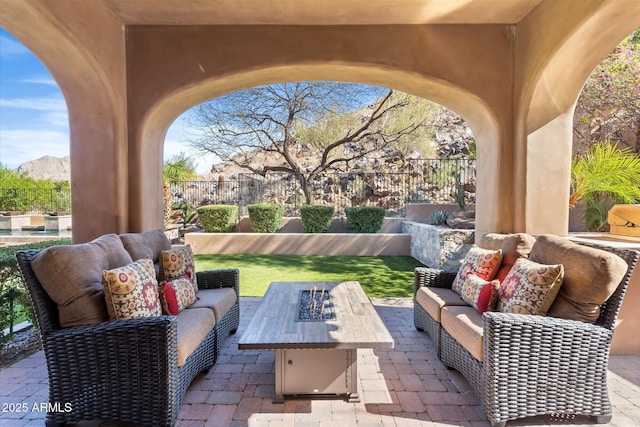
[132, 291]
[176, 295]
[484, 263]
[479, 293]
[178, 263]
[530, 288]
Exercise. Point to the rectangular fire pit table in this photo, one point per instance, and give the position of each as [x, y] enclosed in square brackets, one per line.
[315, 356]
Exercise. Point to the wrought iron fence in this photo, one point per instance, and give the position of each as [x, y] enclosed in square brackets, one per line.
[35, 200]
[424, 180]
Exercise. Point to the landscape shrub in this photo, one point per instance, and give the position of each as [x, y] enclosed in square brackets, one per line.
[265, 217]
[364, 219]
[218, 218]
[11, 280]
[316, 218]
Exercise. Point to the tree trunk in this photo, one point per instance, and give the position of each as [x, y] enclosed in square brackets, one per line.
[304, 185]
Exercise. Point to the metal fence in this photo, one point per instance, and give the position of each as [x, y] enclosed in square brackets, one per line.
[423, 180]
[35, 200]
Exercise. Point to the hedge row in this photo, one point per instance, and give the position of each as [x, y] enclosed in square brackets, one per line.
[316, 218]
[267, 218]
[364, 219]
[218, 218]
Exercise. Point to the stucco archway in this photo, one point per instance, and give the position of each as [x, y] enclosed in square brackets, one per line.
[482, 121]
[118, 62]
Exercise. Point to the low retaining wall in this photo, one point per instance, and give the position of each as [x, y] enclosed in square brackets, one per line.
[300, 244]
[438, 247]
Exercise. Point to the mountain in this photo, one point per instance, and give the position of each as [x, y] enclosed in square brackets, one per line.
[48, 167]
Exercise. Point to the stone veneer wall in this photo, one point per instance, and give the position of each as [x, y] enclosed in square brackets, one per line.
[438, 247]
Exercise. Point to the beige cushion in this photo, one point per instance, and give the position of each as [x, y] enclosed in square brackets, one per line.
[513, 246]
[219, 301]
[131, 291]
[148, 244]
[193, 327]
[464, 324]
[72, 276]
[433, 299]
[590, 276]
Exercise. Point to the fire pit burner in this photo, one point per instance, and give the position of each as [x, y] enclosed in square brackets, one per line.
[315, 305]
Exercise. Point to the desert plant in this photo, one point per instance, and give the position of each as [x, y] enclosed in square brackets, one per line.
[265, 217]
[218, 218]
[316, 218]
[603, 176]
[439, 217]
[459, 189]
[365, 219]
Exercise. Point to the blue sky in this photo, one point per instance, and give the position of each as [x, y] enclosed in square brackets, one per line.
[33, 112]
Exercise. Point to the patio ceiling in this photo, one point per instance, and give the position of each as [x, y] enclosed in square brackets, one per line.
[327, 12]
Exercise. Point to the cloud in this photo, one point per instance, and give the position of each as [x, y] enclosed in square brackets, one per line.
[48, 81]
[57, 119]
[21, 145]
[39, 104]
[11, 48]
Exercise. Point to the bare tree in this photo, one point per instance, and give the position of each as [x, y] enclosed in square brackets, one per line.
[264, 129]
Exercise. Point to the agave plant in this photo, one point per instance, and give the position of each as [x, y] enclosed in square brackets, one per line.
[439, 217]
[602, 176]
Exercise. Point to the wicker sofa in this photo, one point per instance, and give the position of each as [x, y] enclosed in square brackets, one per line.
[135, 370]
[522, 365]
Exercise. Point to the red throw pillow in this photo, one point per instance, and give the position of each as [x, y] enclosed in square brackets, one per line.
[170, 300]
[481, 294]
[176, 295]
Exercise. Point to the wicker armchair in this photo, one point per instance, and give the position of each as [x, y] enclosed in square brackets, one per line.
[123, 370]
[533, 365]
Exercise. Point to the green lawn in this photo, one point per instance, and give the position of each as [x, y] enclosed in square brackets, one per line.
[380, 276]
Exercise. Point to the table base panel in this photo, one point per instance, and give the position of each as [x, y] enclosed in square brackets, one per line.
[316, 372]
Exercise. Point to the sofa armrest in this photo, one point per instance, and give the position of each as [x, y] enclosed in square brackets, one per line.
[129, 355]
[424, 276]
[216, 279]
[541, 348]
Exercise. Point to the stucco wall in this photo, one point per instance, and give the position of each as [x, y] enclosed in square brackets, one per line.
[300, 244]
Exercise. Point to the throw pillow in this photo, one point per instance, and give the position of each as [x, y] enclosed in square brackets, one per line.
[72, 277]
[176, 295]
[479, 293]
[482, 262]
[132, 291]
[178, 263]
[513, 247]
[591, 276]
[530, 288]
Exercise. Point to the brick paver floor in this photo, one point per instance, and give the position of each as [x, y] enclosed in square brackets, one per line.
[406, 386]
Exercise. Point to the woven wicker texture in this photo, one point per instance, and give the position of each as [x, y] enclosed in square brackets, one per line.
[534, 365]
[124, 370]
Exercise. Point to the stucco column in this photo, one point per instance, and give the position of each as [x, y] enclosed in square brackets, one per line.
[548, 174]
[83, 46]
